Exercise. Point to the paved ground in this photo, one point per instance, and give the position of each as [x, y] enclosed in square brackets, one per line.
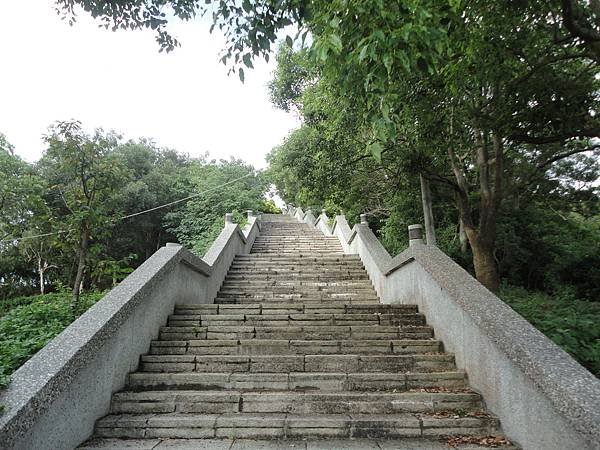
[247, 444]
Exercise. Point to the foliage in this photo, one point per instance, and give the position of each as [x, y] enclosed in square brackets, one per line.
[25, 329]
[570, 322]
[200, 221]
[269, 207]
[487, 109]
[120, 179]
[85, 172]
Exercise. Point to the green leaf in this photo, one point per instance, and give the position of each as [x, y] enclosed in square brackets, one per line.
[375, 148]
[241, 74]
[363, 53]
[247, 58]
[289, 41]
[336, 42]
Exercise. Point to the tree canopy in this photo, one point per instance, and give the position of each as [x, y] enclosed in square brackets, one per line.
[71, 219]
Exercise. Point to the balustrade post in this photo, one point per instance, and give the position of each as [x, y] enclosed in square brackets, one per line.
[415, 235]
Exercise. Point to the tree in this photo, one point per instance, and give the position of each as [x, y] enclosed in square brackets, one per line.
[20, 191]
[200, 220]
[39, 250]
[471, 124]
[84, 173]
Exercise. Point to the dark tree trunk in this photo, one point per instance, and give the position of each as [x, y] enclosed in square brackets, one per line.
[482, 237]
[484, 262]
[81, 257]
[427, 211]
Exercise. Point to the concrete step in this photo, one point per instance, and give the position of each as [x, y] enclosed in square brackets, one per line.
[293, 347]
[324, 332]
[295, 284]
[265, 425]
[299, 381]
[290, 287]
[307, 301]
[294, 319]
[299, 276]
[264, 264]
[293, 308]
[299, 258]
[211, 402]
[296, 243]
[297, 363]
[280, 444]
[293, 248]
[333, 268]
[281, 294]
[295, 295]
[297, 269]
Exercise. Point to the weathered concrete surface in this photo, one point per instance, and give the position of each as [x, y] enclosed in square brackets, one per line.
[56, 397]
[322, 224]
[253, 444]
[302, 365]
[544, 398]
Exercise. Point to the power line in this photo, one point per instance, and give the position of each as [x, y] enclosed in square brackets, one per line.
[184, 199]
[137, 213]
[34, 236]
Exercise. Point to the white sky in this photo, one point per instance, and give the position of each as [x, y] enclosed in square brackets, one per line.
[184, 100]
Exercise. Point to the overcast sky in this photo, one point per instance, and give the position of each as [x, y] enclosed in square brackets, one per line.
[184, 100]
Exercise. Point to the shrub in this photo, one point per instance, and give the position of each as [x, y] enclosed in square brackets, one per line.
[572, 323]
[26, 328]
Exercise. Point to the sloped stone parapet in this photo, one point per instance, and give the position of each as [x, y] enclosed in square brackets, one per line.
[543, 397]
[55, 398]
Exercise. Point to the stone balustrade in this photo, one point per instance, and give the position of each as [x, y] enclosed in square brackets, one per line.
[543, 397]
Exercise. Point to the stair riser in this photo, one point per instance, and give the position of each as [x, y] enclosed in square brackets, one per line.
[304, 382]
[296, 333]
[309, 296]
[308, 272]
[271, 427]
[306, 301]
[295, 320]
[266, 322]
[299, 363]
[283, 347]
[135, 403]
[283, 308]
[367, 291]
[321, 260]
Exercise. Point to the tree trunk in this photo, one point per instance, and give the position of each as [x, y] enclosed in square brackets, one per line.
[81, 256]
[41, 274]
[427, 211]
[462, 236]
[486, 270]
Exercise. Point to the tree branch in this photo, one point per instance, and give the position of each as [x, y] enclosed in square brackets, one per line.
[560, 156]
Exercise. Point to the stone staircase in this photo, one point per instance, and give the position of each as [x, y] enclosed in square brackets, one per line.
[296, 345]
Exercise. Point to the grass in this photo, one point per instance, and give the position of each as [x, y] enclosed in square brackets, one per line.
[29, 323]
[572, 323]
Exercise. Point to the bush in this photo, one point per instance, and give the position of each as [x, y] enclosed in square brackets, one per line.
[571, 323]
[26, 328]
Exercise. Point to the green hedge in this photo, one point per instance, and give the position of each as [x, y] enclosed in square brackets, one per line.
[33, 321]
[572, 323]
